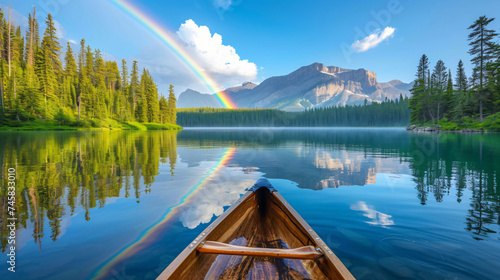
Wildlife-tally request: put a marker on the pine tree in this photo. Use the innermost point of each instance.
(461, 79)
(419, 91)
(482, 47)
(81, 77)
(32, 92)
(46, 77)
(9, 42)
(172, 105)
(18, 49)
(461, 96)
(70, 62)
(164, 110)
(32, 38)
(135, 89)
(439, 81)
(493, 81)
(448, 98)
(50, 43)
(150, 98)
(124, 74)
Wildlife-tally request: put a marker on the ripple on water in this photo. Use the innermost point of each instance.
(411, 256)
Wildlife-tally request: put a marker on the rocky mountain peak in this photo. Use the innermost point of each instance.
(313, 86)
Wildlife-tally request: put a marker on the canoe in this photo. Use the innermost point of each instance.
(259, 237)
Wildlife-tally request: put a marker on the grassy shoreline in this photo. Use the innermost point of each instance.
(490, 123)
(96, 125)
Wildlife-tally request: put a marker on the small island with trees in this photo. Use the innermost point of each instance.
(40, 92)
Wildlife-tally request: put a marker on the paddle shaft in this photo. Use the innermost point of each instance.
(212, 247)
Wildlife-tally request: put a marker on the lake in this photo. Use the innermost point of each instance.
(123, 204)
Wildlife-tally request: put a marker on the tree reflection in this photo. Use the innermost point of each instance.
(60, 171)
(461, 164)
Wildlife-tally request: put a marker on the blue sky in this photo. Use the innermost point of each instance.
(273, 37)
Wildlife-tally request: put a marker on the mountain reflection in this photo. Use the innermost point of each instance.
(441, 164)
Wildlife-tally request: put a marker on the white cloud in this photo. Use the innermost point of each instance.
(220, 61)
(377, 218)
(72, 41)
(223, 4)
(372, 40)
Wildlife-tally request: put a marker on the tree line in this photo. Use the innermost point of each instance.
(437, 98)
(387, 113)
(83, 87)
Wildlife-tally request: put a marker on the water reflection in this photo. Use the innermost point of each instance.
(448, 164)
(216, 191)
(442, 165)
(377, 217)
(57, 172)
(62, 174)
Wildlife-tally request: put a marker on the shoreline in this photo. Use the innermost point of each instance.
(121, 126)
(437, 129)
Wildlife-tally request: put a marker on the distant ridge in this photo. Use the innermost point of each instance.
(191, 98)
(311, 86)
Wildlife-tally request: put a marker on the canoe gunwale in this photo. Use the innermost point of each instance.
(318, 242)
(337, 267)
(198, 241)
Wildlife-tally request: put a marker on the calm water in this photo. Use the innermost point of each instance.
(122, 205)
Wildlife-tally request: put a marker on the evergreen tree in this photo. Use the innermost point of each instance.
(50, 43)
(448, 98)
(439, 81)
(164, 110)
(150, 106)
(419, 92)
(70, 62)
(124, 74)
(461, 79)
(81, 77)
(32, 38)
(135, 89)
(482, 47)
(46, 77)
(172, 101)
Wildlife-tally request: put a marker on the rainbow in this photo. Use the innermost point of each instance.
(147, 237)
(166, 37)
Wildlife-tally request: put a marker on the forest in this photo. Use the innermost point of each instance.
(38, 90)
(384, 114)
(462, 102)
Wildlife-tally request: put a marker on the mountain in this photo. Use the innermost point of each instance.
(246, 85)
(194, 99)
(191, 98)
(316, 86)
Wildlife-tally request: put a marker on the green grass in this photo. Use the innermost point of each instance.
(490, 123)
(105, 124)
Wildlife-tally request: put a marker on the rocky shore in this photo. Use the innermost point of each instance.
(437, 128)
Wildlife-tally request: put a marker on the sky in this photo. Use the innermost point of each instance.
(234, 41)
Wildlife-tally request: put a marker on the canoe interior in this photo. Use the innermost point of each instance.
(261, 219)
